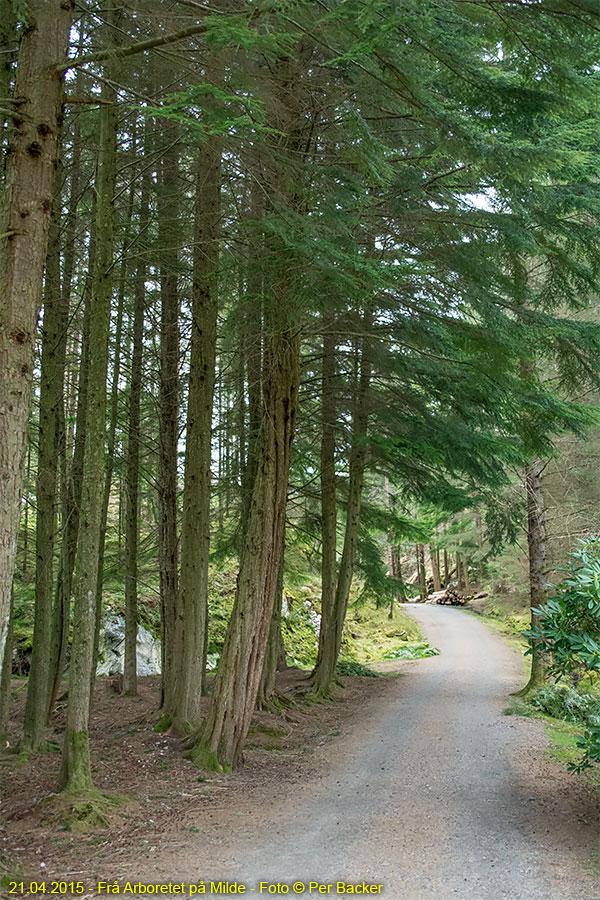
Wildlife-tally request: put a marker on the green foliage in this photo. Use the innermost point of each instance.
(24, 602)
(568, 630)
(349, 667)
(411, 651)
(568, 626)
(563, 702)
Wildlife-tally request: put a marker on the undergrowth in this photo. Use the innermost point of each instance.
(569, 716)
(419, 650)
(349, 667)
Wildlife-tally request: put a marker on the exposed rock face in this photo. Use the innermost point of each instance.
(112, 649)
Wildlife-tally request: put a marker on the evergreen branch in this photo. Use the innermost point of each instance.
(113, 53)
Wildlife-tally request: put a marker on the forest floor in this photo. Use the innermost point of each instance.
(417, 783)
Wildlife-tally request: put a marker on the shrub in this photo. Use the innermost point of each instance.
(563, 702)
(568, 632)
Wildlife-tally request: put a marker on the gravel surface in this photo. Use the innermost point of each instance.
(435, 795)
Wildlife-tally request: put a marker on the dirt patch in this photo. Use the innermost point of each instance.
(170, 802)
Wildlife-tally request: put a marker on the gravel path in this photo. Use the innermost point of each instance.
(436, 795)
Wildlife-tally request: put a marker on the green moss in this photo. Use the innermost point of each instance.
(270, 730)
(348, 667)
(83, 811)
(205, 759)
(78, 774)
(163, 724)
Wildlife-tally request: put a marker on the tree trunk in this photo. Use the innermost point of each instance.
(29, 191)
(112, 427)
(76, 776)
(221, 739)
(253, 347)
(70, 476)
(466, 583)
(133, 457)
(434, 555)
(266, 689)
(460, 573)
(71, 488)
(446, 569)
(5, 677)
(8, 43)
(390, 552)
(421, 571)
(324, 669)
(54, 348)
(168, 213)
(536, 543)
(195, 529)
(398, 573)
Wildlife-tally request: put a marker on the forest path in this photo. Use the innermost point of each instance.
(435, 795)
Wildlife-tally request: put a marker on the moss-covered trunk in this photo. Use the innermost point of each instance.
(76, 774)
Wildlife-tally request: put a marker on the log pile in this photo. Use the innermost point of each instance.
(450, 597)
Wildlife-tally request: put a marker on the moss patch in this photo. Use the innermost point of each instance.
(81, 812)
(205, 759)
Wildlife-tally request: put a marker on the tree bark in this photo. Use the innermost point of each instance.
(266, 689)
(8, 43)
(27, 202)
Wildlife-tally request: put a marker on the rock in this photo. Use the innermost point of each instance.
(111, 650)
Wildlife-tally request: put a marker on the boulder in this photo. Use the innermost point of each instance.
(111, 650)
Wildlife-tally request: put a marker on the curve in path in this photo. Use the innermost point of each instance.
(435, 798)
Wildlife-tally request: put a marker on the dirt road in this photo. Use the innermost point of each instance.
(436, 795)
